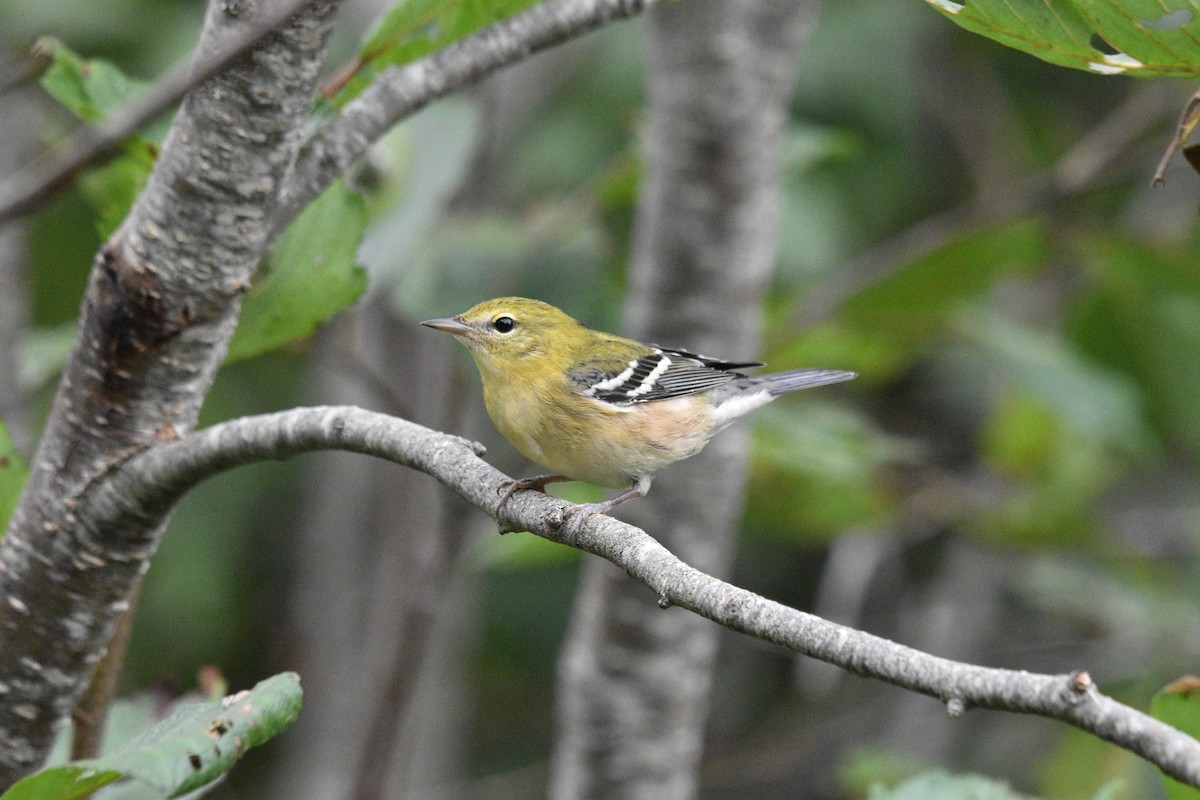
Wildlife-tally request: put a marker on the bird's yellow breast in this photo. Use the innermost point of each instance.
(593, 441)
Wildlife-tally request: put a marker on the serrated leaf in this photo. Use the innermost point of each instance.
(13, 473)
(1178, 705)
(1107, 37)
(309, 276)
(90, 88)
(414, 28)
(196, 745)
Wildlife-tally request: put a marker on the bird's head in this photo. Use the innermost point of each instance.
(508, 330)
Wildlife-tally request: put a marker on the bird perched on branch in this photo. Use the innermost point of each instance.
(595, 407)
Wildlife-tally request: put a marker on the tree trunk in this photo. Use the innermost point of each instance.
(161, 306)
(634, 679)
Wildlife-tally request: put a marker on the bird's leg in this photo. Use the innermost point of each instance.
(574, 517)
(537, 482)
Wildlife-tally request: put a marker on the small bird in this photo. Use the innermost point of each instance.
(591, 406)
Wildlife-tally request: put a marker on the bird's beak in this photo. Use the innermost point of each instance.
(447, 324)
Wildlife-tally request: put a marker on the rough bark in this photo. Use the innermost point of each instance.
(160, 308)
(634, 680)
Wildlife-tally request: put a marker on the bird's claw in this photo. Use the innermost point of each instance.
(575, 517)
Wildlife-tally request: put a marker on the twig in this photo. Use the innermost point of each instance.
(399, 92)
(24, 190)
(1187, 123)
(154, 479)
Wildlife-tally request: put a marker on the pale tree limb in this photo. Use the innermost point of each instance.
(160, 308)
(150, 482)
(633, 684)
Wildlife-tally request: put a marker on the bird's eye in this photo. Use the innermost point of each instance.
(504, 324)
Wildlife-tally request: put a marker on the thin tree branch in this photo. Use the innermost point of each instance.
(150, 482)
(23, 191)
(399, 92)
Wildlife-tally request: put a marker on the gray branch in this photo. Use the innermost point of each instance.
(149, 482)
(398, 92)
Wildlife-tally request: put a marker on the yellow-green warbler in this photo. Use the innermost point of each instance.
(595, 407)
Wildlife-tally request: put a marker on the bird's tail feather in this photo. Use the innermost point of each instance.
(793, 380)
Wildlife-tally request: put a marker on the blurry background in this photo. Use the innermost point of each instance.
(1011, 482)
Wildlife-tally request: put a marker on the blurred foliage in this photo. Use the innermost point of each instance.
(941, 786)
(1029, 359)
(1082, 767)
(870, 767)
(13, 472)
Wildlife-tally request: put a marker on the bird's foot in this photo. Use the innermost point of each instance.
(537, 483)
(575, 516)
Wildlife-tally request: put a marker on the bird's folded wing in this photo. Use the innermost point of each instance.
(659, 374)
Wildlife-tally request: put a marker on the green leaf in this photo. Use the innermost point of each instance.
(412, 29)
(942, 786)
(869, 766)
(196, 745)
(309, 276)
(1107, 37)
(1178, 705)
(90, 88)
(112, 188)
(13, 472)
(61, 783)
